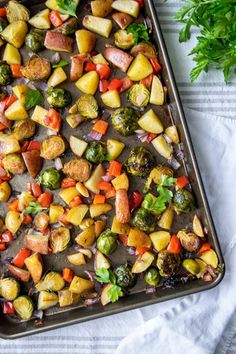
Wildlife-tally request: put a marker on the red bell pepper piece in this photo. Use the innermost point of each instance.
(33, 145)
(53, 119)
(155, 64)
(147, 81)
(2, 127)
(68, 275)
(8, 308)
(182, 182)
(123, 239)
(89, 66)
(204, 247)
(2, 246)
(27, 220)
(115, 84)
(126, 84)
(150, 137)
(45, 199)
(115, 168)
(104, 186)
(19, 260)
(111, 193)
(135, 200)
(141, 250)
(99, 199)
(76, 201)
(36, 189)
(103, 86)
(14, 205)
(3, 12)
(101, 126)
(140, 2)
(174, 245)
(103, 71)
(67, 183)
(55, 18)
(16, 71)
(6, 102)
(7, 236)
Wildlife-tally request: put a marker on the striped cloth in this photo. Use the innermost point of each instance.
(103, 336)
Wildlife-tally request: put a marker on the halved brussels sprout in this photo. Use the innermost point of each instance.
(14, 164)
(50, 178)
(96, 152)
(5, 74)
(52, 147)
(123, 39)
(58, 97)
(68, 27)
(52, 281)
(140, 162)
(152, 277)
(156, 175)
(24, 307)
(183, 201)
(138, 95)
(144, 220)
(107, 242)
(88, 106)
(191, 266)
(168, 263)
(59, 239)
(47, 299)
(34, 40)
(124, 277)
(124, 120)
(17, 12)
(24, 129)
(9, 288)
(189, 240)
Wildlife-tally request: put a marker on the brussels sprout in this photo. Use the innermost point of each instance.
(168, 263)
(87, 106)
(152, 277)
(140, 162)
(59, 239)
(9, 288)
(96, 152)
(52, 281)
(123, 39)
(5, 74)
(58, 97)
(24, 129)
(144, 220)
(35, 40)
(124, 277)
(50, 178)
(68, 27)
(183, 201)
(14, 163)
(47, 299)
(17, 12)
(41, 221)
(191, 266)
(124, 121)
(3, 24)
(138, 95)
(24, 307)
(189, 240)
(107, 242)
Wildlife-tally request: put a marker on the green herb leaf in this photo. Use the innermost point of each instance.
(139, 32)
(104, 275)
(167, 181)
(67, 7)
(114, 293)
(61, 64)
(33, 98)
(33, 208)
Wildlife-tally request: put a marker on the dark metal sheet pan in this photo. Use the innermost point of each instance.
(11, 328)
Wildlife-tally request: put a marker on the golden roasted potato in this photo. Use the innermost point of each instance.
(99, 209)
(85, 40)
(81, 286)
(138, 238)
(15, 33)
(87, 237)
(101, 8)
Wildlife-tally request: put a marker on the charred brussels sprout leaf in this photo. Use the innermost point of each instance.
(17, 12)
(58, 97)
(59, 239)
(96, 152)
(69, 27)
(140, 162)
(124, 120)
(144, 220)
(139, 95)
(152, 277)
(183, 201)
(35, 40)
(50, 178)
(124, 277)
(24, 307)
(107, 242)
(87, 106)
(9, 288)
(5, 74)
(168, 263)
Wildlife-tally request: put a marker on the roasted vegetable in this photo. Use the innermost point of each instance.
(37, 243)
(36, 68)
(46, 299)
(183, 201)
(111, 99)
(41, 20)
(95, 178)
(24, 307)
(122, 206)
(138, 95)
(152, 277)
(35, 40)
(123, 20)
(58, 97)
(124, 120)
(34, 264)
(140, 68)
(168, 263)
(144, 220)
(16, 12)
(50, 178)
(5, 192)
(123, 39)
(88, 83)
(81, 286)
(157, 96)
(143, 262)
(77, 66)
(189, 240)
(5, 74)
(67, 298)
(41, 221)
(130, 7)
(140, 162)
(79, 169)
(33, 162)
(8, 144)
(3, 24)
(118, 58)
(58, 42)
(15, 33)
(150, 122)
(16, 111)
(11, 55)
(160, 239)
(52, 281)
(52, 147)
(24, 129)
(114, 148)
(191, 266)
(21, 274)
(144, 48)
(68, 27)
(124, 277)
(77, 145)
(59, 239)
(76, 214)
(9, 288)
(107, 242)
(101, 8)
(14, 163)
(96, 152)
(87, 106)
(85, 40)
(102, 26)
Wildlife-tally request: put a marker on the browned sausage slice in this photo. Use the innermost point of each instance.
(122, 206)
(77, 66)
(78, 169)
(118, 58)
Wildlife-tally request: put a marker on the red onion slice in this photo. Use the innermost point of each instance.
(93, 135)
(58, 164)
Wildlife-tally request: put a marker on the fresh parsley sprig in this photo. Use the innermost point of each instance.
(139, 32)
(216, 44)
(67, 7)
(106, 276)
(32, 98)
(33, 208)
(61, 64)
